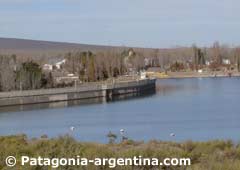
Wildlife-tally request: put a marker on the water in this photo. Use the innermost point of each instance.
(192, 109)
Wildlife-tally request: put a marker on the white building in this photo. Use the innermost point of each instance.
(47, 67)
(226, 61)
(208, 63)
(146, 61)
(143, 75)
(60, 63)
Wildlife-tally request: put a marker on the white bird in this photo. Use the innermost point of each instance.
(72, 128)
(172, 134)
(121, 131)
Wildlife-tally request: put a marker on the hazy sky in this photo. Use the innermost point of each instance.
(147, 23)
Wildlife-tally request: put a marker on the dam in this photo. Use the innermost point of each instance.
(105, 91)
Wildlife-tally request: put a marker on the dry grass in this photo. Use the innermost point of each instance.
(211, 155)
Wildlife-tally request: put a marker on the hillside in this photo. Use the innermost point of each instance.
(34, 48)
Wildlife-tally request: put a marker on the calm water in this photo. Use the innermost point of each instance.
(196, 109)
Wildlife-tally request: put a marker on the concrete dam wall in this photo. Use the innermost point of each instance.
(106, 91)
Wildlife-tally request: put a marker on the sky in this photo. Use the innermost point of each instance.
(138, 23)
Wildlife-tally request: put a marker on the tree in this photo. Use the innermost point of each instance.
(237, 58)
(217, 53)
(201, 57)
(238, 64)
(177, 66)
(91, 68)
(238, 61)
(115, 72)
(198, 57)
(155, 58)
(105, 74)
(195, 57)
(29, 76)
(47, 80)
(7, 72)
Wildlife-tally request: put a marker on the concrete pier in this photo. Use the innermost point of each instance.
(106, 91)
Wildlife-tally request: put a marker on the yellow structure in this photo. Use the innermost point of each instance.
(156, 75)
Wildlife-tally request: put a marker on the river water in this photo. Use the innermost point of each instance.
(193, 109)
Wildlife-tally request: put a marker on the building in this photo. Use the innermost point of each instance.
(47, 67)
(53, 64)
(60, 63)
(66, 78)
(143, 75)
(226, 61)
(208, 63)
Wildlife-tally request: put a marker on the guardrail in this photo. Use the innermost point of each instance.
(79, 88)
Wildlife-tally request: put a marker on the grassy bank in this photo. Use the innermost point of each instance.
(212, 155)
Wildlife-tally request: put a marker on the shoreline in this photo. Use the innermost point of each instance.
(182, 75)
(106, 92)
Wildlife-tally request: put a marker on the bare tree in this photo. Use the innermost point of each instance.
(7, 72)
(217, 53)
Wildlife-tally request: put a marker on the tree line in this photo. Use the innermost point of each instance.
(101, 66)
(19, 74)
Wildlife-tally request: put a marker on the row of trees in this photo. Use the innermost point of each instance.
(199, 57)
(237, 58)
(17, 74)
(7, 72)
(22, 76)
(100, 66)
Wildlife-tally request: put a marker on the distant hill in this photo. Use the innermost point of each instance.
(37, 49)
(34, 48)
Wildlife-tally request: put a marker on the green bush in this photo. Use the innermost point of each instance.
(211, 155)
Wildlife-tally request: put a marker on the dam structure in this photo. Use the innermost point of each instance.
(106, 91)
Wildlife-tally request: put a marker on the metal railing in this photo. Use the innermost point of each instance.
(94, 86)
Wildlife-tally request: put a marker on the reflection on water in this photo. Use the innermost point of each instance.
(165, 88)
(51, 105)
(72, 103)
(132, 96)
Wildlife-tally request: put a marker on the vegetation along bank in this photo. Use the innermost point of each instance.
(211, 155)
